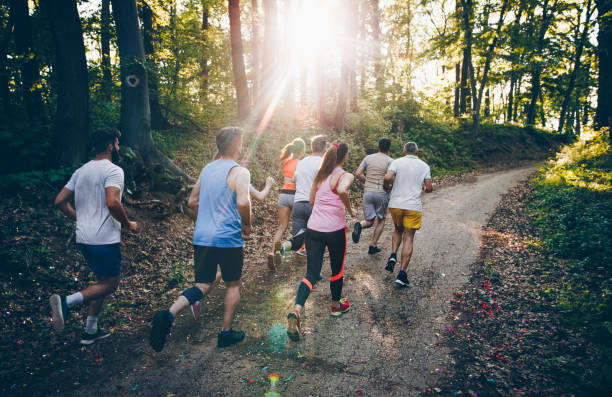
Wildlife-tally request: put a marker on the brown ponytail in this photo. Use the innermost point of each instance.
(332, 157)
(293, 150)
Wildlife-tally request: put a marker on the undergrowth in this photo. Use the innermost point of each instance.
(572, 208)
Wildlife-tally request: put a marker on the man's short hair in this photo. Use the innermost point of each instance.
(103, 137)
(318, 144)
(411, 147)
(225, 136)
(384, 144)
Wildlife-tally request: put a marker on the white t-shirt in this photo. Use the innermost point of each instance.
(410, 173)
(95, 225)
(304, 176)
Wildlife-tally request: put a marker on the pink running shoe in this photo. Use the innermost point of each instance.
(344, 306)
(195, 310)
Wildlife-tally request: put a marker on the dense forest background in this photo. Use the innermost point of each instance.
(159, 69)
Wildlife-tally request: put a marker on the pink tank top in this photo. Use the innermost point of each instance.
(328, 210)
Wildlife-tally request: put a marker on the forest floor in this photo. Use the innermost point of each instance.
(422, 339)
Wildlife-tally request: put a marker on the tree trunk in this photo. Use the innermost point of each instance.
(135, 112)
(464, 91)
(511, 96)
(105, 34)
(158, 120)
(353, 21)
(256, 41)
(536, 70)
(457, 89)
(376, 36)
(468, 21)
(488, 59)
(31, 86)
(342, 96)
(577, 61)
(5, 91)
(240, 81)
(487, 108)
(204, 56)
(517, 96)
(603, 114)
(288, 67)
(72, 118)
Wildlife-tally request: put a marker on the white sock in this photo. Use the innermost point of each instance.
(74, 299)
(92, 324)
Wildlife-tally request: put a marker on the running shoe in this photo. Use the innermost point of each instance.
(225, 339)
(59, 311)
(88, 339)
(373, 250)
(271, 265)
(301, 251)
(161, 328)
(391, 263)
(293, 325)
(356, 232)
(402, 279)
(279, 252)
(195, 309)
(344, 306)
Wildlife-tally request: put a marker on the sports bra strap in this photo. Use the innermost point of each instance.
(335, 189)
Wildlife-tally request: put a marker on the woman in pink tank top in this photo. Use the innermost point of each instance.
(329, 197)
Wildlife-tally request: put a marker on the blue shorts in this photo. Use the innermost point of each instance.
(104, 260)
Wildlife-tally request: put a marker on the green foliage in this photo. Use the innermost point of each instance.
(177, 276)
(572, 204)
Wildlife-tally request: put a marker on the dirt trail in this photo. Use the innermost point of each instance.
(385, 345)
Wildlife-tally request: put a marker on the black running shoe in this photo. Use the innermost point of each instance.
(160, 329)
(402, 279)
(391, 263)
(88, 339)
(356, 232)
(59, 311)
(229, 339)
(373, 250)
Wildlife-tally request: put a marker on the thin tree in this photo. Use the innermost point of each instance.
(105, 36)
(376, 36)
(255, 49)
(240, 81)
(603, 114)
(581, 41)
(31, 86)
(204, 57)
(72, 117)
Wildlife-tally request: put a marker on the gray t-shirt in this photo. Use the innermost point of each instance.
(305, 172)
(95, 225)
(410, 173)
(375, 167)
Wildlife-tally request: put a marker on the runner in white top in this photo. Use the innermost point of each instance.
(409, 175)
(96, 188)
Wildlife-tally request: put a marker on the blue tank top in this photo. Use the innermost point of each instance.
(218, 223)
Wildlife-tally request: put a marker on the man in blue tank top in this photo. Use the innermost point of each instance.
(221, 199)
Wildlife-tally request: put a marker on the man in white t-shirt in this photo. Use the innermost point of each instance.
(96, 188)
(409, 176)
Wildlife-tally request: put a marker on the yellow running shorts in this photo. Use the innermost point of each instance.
(406, 218)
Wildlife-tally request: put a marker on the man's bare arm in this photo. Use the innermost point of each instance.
(194, 198)
(62, 201)
(388, 180)
(113, 202)
(359, 173)
(428, 186)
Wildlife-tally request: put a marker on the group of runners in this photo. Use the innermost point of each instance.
(314, 194)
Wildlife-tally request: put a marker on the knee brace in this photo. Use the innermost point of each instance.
(193, 294)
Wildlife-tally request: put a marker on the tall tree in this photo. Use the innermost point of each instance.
(581, 41)
(205, 49)
(5, 91)
(270, 59)
(31, 85)
(240, 81)
(135, 112)
(105, 35)
(536, 61)
(351, 44)
(376, 36)
(467, 11)
(255, 49)
(72, 117)
(603, 114)
(149, 33)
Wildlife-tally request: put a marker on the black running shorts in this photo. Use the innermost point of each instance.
(206, 260)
